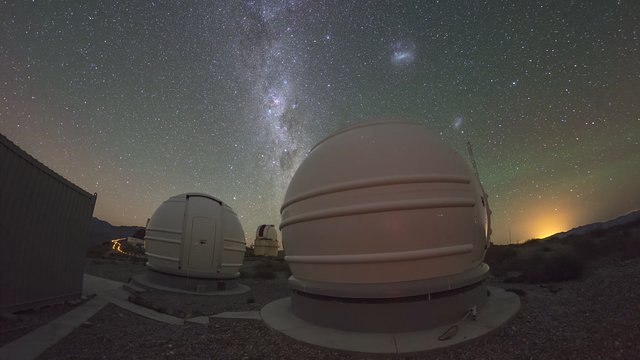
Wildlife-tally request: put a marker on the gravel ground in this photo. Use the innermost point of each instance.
(597, 317)
(16, 325)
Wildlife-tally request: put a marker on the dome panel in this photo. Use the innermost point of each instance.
(407, 152)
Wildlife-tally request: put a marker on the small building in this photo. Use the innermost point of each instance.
(43, 226)
(266, 242)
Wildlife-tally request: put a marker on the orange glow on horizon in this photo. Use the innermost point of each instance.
(548, 231)
(547, 224)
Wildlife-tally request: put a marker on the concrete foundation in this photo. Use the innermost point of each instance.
(189, 285)
(498, 308)
(390, 307)
(389, 315)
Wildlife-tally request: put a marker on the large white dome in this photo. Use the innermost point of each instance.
(195, 235)
(384, 203)
(385, 228)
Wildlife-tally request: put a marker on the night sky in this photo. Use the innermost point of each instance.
(139, 102)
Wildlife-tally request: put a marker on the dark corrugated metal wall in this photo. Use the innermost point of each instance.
(43, 226)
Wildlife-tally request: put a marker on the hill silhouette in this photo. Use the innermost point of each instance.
(101, 231)
(621, 221)
(565, 256)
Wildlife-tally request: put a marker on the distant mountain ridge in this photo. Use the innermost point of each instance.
(101, 231)
(632, 217)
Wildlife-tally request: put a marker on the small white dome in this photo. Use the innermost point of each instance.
(267, 232)
(381, 203)
(195, 235)
(266, 242)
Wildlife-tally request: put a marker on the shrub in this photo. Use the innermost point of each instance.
(629, 246)
(589, 247)
(542, 262)
(553, 266)
(563, 258)
(498, 258)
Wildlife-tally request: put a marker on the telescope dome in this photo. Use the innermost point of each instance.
(385, 228)
(383, 202)
(266, 242)
(385, 211)
(195, 235)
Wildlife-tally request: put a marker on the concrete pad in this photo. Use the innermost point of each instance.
(31, 345)
(36, 342)
(117, 294)
(278, 316)
(114, 292)
(499, 308)
(92, 285)
(143, 280)
(204, 320)
(252, 315)
(133, 288)
(148, 313)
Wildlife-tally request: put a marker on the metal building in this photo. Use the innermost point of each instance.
(43, 226)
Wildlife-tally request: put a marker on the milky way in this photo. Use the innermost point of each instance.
(142, 101)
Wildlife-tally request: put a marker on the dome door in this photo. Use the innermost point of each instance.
(203, 231)
(202, 215)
